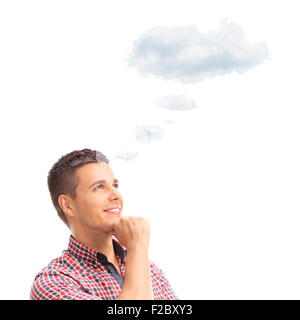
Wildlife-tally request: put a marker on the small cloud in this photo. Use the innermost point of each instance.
(147, 134)
(185, 54)
(126, 155)
(176, 102)
(169, 121)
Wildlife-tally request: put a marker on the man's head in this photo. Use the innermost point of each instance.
(82, 186)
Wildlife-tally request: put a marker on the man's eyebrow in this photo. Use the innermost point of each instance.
(102, 181)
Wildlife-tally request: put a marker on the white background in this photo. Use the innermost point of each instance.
(220, 189)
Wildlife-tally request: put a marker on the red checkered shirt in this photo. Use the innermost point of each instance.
(82, 273)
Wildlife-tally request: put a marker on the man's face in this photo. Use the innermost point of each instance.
(97, 191)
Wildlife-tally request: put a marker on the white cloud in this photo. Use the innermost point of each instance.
(147, 134)
(176, 102)
(126, 155)
(169, 121)
(186, 54)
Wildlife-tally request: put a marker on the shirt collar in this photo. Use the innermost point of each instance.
(82, 252)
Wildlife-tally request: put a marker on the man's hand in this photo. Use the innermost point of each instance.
(133, 232)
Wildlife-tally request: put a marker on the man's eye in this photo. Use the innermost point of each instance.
(116, 185)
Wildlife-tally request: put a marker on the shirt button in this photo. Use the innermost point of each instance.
(109, 270)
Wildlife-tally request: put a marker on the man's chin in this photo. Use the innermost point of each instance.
(111, 229)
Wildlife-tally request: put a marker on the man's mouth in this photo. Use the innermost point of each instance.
(115, 210)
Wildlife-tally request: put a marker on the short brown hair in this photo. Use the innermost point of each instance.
(63, 179)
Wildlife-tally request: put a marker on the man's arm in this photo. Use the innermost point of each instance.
(134, 234)
(53, 285)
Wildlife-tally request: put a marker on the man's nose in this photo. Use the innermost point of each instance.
(115, 193)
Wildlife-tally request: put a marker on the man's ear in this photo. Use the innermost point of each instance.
(66, 205)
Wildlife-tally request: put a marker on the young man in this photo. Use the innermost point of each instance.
(107, 255)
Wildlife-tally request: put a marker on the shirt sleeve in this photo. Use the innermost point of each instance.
(58, 286)
(167, 291)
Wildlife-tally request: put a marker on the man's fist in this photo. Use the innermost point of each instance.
(132, 232)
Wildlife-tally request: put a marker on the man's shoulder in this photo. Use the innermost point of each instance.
(156, 270)
(160, 279)
(61, 271)
(58, 265)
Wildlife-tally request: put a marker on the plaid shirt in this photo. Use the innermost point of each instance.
(82, 273)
